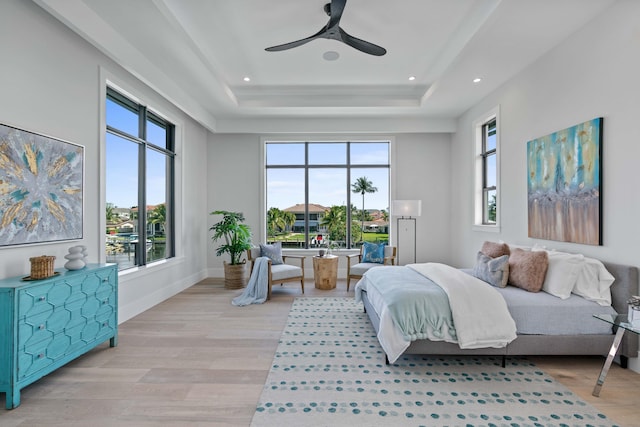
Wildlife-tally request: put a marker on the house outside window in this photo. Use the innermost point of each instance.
(140, 153)
(309, 186)
(487, 171)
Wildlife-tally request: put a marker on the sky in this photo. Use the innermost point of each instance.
(327, 185)
(327, 173)
(122, 161)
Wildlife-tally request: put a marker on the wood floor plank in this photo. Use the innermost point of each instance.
(196, 360)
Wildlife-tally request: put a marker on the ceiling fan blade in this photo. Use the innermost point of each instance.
(333, 31)
(296, 43)
(336, 9)
(362, 45)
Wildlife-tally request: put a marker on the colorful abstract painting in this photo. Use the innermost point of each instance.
(564, 184)
(41, 188)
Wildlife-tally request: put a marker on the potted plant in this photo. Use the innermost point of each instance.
(236, 239)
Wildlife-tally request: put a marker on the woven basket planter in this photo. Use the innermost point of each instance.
(235, 276)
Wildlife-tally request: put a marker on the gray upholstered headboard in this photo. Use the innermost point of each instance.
(625, 286)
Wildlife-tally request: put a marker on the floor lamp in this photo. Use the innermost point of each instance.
(407, 210)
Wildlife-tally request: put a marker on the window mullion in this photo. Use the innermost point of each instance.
(306, 195)
(347, 209)
(170, 203)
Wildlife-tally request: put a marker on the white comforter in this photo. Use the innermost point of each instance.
(479, 312)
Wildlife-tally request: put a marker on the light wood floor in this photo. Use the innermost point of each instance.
(197, 360)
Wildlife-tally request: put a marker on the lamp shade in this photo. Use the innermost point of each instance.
(409, 208)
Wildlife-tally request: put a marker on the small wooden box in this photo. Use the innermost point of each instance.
(41, 266)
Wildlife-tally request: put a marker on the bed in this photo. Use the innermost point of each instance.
(584, 335)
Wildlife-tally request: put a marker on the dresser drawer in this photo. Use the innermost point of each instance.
(37, 299)
(98, 303)
(98, 281)
(42, 354)
(96, 330)
(43, 325)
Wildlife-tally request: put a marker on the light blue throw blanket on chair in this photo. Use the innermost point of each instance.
(256, 290)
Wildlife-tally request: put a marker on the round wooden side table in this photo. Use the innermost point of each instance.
(325, 271)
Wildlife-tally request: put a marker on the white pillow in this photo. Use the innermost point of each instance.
(562, 273)
(514, 246)
(594, 282)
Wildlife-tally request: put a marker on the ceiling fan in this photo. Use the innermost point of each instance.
(333, 31)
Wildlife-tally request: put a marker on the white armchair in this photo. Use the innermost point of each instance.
(280, 273)
(356, 271)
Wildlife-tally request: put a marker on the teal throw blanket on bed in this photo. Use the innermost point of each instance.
(416, 304)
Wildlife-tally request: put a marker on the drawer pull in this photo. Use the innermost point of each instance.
(42, 298)
(105, 279)
(105, 324)
(41, 327)
(106, 301)
(41, 356)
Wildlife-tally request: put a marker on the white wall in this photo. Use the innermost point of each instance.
(420, 164)
(51, 84)
(592, 74)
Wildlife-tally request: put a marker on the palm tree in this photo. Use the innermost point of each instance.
(110, 214)
(334, 220)
(362, 186)
(158, 215)
(278, 220)
(275, 221)
(289, 218)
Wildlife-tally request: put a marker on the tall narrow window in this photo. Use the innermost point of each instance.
(327, 194)
(140, 183)
(487, 171)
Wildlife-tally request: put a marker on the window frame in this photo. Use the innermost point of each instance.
(169, 150)
(308, 166)
(481, 157)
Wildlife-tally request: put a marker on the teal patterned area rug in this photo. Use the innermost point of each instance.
(329, 370)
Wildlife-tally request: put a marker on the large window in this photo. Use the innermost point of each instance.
(140, 183)
(321, 194)
(487, 171)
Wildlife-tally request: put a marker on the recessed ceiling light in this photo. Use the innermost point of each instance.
(247, 79)
(330, 55)
(412, 78)
(477, 80)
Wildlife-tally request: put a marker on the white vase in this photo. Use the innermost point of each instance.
(75, 258)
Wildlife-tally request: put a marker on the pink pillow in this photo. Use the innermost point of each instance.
(494, 250)
(527, 269)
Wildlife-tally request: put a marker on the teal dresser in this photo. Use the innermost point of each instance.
(46, 323)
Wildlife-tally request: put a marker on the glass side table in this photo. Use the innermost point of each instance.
(621, 322)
